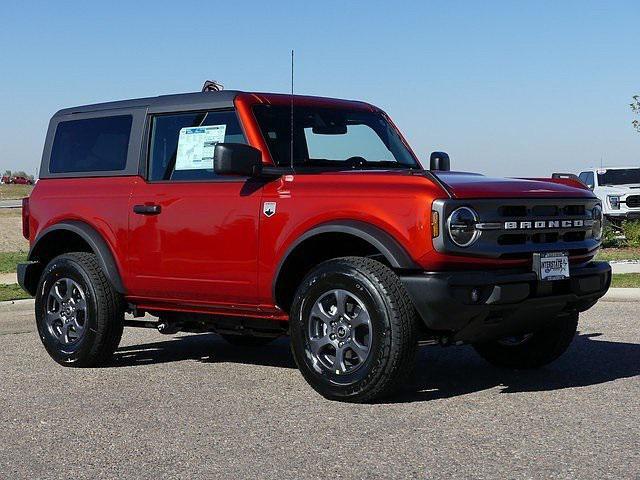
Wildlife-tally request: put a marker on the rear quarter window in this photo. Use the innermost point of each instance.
(91, 145)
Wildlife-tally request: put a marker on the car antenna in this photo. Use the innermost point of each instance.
(291, 153)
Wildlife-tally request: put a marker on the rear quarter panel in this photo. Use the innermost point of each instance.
(102, 203)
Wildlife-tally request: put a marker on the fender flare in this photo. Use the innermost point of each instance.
(95, 241)
(388, 246)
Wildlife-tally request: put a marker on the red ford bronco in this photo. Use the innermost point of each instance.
(258, 215)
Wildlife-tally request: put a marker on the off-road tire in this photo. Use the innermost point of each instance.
(105, 311)
(541, 348)
(394, 329)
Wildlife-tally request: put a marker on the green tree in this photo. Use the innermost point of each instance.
(635, 108)
(7, 173)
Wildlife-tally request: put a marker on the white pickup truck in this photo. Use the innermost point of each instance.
(619, 190)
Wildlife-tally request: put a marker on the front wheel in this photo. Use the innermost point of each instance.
(531, 350)
(353, 330)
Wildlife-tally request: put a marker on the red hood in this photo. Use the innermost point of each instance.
(471, 185)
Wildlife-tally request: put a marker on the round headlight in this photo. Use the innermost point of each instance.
(596, 213)
(462, 226)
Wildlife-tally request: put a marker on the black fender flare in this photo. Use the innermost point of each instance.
(95, 241)
(388, 246)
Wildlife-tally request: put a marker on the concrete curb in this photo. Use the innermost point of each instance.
(12, 306)
(622, 295)
(625, 266)
(8, 278)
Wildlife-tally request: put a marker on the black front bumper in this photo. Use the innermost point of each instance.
(471, 306)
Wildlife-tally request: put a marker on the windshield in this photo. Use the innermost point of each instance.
(619, 176)
(332, 138)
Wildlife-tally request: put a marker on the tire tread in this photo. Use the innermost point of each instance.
(110, 312)
(395, 364)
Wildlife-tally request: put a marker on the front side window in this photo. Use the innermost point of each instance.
(182, 145)
(332, 138)
(619, 176)
(91, 145)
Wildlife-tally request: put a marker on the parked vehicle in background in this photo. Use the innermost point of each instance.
(618, 188)
(16, 180)
(214, 212)
(21, 181)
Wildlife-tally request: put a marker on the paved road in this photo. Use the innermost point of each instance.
(190, 406)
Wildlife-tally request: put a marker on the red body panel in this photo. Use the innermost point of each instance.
(211, 248)
(202, 248)
(397, 203)
(103, 203)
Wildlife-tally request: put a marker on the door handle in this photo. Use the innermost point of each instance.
(147, 209)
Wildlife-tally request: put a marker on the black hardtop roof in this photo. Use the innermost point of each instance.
(220, 99)
(197, 100)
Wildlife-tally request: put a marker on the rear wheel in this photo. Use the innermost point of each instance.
(353, 330)
(80, 317)
(531, 350)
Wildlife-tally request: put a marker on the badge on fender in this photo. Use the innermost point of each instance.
(269, 209)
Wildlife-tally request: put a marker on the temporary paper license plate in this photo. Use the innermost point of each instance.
(552, 265)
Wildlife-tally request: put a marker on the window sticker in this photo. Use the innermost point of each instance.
(196, 146)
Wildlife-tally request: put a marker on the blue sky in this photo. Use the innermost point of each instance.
(507, 88)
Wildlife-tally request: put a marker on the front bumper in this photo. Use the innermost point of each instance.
(504, 302)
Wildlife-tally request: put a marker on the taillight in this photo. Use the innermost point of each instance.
(25, 217)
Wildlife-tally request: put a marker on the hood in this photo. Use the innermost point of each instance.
(471, 185)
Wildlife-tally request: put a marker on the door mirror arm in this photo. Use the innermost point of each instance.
(275, 172)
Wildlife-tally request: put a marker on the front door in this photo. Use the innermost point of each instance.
(193, 235)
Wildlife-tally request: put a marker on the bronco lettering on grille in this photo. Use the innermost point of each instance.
(537, 224)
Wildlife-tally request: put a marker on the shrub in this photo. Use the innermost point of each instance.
(610, 238)
(631, 229)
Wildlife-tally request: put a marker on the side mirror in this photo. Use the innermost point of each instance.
(439, 161)
(237, 159)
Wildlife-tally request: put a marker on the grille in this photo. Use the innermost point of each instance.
(633, 201)
(525, 211)
(513, 229)
(521, 239)
(533, 213)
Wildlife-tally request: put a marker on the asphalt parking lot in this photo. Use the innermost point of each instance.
(191, 406)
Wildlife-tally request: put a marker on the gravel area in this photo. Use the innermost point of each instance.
(11, 239)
